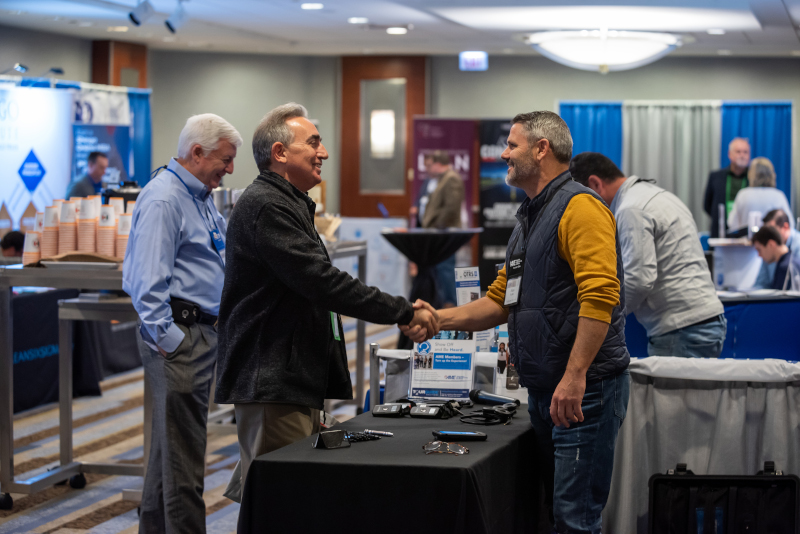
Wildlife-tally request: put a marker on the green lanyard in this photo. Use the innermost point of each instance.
(728, 200)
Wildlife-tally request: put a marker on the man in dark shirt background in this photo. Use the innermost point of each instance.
(772, 249)
(723, 184)
(12, 244)
(91, 183)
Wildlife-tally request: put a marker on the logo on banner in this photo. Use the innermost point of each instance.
(31, 172)
(424, 348)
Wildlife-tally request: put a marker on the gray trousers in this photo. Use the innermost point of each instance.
(263, 428)
(172, 499)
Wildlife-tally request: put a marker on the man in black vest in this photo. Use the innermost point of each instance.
(561, 292)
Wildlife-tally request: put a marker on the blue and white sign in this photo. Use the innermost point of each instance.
(473, 60)
(442, 367)
(35, 146)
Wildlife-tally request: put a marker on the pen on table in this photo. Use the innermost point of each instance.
(378, 433)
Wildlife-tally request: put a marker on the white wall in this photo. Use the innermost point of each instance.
(516, 84)
(242, 88)
(40, 51)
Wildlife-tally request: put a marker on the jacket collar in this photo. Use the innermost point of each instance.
(528, 203)
(286, 187)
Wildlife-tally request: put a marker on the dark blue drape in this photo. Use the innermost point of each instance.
(595, 127)
(141, 135)
(768, 126)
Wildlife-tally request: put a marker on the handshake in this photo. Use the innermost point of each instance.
(425, 323)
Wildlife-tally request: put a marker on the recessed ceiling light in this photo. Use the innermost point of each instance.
(397, 30)
(716, 31)
(724, 52)
(117, 29)
(311, 6)
(358, 20)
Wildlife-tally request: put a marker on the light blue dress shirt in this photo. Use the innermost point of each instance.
(170, 253)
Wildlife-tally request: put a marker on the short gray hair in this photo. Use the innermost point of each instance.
(273, 129)
(735, 139)
(539, 125)
(206, 130)
(761, 173)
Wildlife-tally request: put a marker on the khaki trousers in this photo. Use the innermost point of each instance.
(263, 428)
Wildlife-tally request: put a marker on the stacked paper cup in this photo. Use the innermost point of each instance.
(39, 225)
(77, 201)
(123, 231)
(31, 253)
(68, 228)
(57, 203)
(129, 207)
(119, 206)
(49, 241)
(87, 227)
(107, 231)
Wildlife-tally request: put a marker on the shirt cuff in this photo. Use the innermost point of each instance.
(172, 339)
(596, 309)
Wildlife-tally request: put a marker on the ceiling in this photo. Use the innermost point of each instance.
(752, 28)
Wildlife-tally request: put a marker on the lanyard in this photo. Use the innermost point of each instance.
(216, 235)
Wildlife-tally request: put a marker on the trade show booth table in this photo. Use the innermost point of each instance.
(392, 486)
(760, 325)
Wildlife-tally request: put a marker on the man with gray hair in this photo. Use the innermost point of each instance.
(561, 292)
(724, 184)
(282, 348)
(174, 270)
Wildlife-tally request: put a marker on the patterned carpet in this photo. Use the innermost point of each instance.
(109, 428)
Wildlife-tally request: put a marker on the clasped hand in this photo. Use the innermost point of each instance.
(425, 323)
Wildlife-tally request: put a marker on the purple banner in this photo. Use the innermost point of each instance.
(457, 138)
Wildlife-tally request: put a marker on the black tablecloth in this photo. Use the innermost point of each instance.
(99, 350)
(391, 485)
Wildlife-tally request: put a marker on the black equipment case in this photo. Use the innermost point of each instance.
(684, 503)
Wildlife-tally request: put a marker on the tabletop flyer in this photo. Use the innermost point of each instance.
(442, 367)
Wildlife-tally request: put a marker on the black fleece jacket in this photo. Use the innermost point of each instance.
(276, 341)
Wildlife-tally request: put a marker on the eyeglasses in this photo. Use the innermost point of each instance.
(444, 448)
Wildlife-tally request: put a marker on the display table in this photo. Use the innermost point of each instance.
(722, 417)
(391, 485)
(760, 325)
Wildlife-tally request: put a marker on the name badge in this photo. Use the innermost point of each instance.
(514, 279)
(335, 325)
(219, 244)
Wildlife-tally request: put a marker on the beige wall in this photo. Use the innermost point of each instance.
(242, 88)
(40, 51)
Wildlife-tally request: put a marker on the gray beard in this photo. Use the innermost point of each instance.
(520, 174)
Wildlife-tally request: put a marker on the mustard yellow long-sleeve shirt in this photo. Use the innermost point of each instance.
(587, 242)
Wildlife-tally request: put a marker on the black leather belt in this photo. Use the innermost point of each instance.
(707, 321)
(188, 313)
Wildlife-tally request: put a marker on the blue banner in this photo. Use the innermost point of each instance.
(595, 127)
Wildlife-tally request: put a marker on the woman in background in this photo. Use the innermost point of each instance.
(762, 196)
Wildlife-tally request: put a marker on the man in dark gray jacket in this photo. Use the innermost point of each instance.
(281, 342)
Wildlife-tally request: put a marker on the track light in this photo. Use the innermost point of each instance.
(143, 11)
(19, 67)
(58, 71)
(177, 19)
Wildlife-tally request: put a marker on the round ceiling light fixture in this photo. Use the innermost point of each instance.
(603, 50)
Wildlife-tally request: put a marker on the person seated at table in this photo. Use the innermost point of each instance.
(12, 244)
(770, 246)
(762, 196)
(779, 220)
(667, 283)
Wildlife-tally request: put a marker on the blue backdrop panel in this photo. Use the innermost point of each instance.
(141, 134)
(595, 127)
(768, 126)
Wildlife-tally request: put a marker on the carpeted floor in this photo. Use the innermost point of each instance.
(109, 428)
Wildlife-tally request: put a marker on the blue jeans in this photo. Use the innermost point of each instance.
(578, 461)
(695, 341)
(446, 280)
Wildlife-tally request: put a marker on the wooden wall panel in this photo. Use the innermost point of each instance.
(110, 57)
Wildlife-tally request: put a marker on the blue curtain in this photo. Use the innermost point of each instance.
(141, 134)
(768, 126)
(595, 127)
